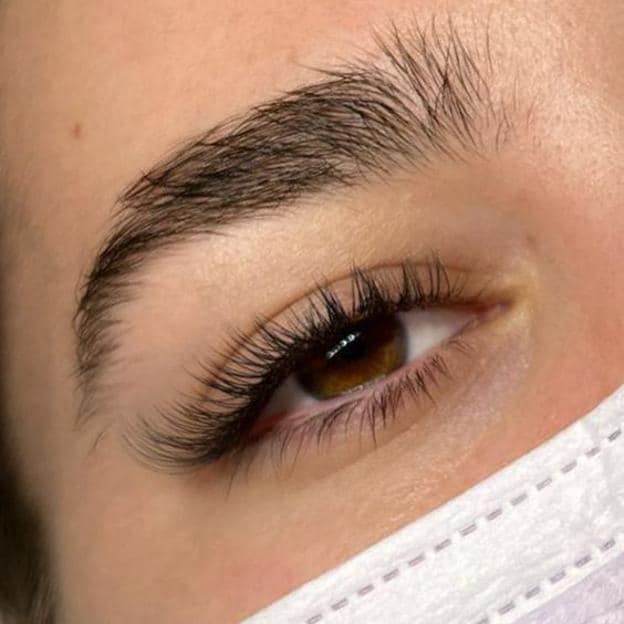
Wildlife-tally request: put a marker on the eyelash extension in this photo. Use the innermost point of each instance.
(213, 423)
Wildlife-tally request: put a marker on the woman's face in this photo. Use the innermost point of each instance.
(320, 324)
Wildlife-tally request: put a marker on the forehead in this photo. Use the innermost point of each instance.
(118, 84)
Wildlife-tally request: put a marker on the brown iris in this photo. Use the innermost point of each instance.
(366, 351)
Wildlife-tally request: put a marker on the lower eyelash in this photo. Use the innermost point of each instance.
(375, 408)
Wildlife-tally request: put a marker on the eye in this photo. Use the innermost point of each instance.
(346, 357)
(361, 356)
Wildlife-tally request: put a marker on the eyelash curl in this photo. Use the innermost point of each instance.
(215, 421)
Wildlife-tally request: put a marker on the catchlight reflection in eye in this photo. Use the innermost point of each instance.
(365, 353)
(370, 349)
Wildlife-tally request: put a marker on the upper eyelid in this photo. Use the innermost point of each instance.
(468, 283)
(434, 274)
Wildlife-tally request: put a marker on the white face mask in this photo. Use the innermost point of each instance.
(542, 541)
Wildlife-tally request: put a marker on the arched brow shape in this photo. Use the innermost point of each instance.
(424, 96)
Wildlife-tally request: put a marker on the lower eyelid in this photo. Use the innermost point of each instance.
(463, 381)
(297, 430)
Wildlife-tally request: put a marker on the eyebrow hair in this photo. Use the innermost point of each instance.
(424, 96)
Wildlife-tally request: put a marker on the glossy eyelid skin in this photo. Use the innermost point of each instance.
(229, 398)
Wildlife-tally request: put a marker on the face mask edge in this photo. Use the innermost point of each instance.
(584, 440)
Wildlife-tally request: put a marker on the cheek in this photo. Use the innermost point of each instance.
(131, 546)
(582, 295)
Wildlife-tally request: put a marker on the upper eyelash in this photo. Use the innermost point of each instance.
(203, 428)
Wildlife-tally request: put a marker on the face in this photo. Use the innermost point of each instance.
(319, 321)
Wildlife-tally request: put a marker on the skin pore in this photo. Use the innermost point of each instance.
(529, 214)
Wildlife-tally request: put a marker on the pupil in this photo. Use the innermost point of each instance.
(367, 351)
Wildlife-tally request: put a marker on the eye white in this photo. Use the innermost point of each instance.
(424, 330)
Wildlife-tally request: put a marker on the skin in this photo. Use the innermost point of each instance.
(93, 94)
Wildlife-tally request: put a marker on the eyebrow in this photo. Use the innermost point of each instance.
(426, 95)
